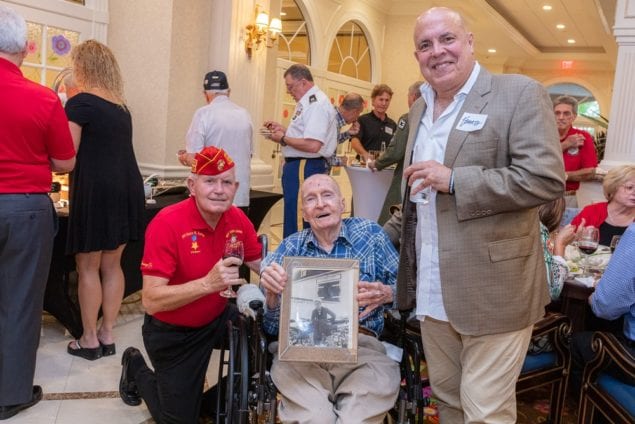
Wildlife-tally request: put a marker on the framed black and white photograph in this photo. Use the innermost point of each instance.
(319, 314)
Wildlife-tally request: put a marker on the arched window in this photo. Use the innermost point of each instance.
(588, 106)
(293, 41)
(350, 54)
(590, 116)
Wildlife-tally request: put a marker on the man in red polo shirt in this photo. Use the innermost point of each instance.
(34, 140)
(183, 274)
(578, 149)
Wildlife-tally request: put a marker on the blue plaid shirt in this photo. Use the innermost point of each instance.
(341, 136)
(614, 294)
(359, 239)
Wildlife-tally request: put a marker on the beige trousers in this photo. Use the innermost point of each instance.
(322, 393)
(474, 377)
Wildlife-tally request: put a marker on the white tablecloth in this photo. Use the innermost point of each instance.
(369, 190)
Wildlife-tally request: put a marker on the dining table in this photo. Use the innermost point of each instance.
(574, 299)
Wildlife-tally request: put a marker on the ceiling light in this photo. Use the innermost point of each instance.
(571, 41)
(560, 26)
(547, 7)
(491, 50)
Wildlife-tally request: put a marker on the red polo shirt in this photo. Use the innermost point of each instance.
(585, 158)
(181, 246)
(33, 129)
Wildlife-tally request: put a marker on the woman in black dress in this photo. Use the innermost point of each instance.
(106, 198)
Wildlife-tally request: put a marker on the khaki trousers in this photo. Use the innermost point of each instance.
(474, 377)
(322, 393)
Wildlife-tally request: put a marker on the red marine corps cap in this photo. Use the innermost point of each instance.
(211, 161)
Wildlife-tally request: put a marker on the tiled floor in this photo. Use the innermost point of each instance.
(77, 390)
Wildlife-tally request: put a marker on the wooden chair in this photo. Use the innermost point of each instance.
(602, 392)
(552, 367)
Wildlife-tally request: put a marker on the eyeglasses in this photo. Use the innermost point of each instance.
(630, 188)
(293, 84)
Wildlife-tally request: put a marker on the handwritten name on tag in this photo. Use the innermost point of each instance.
(471, 122)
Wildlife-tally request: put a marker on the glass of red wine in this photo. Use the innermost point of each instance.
(233, 249)
(588, 240)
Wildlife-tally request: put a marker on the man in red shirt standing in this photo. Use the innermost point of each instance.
(578, 149)
(34, 140)
(183, 274)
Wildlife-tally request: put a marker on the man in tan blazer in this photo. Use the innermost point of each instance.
(486, 148)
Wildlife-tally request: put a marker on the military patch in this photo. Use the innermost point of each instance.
(312, 98)
(401, 124)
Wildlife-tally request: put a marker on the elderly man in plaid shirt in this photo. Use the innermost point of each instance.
(327, 393)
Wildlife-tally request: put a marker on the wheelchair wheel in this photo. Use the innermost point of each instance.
(233, 377)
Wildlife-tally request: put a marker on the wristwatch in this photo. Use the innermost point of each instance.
(282, 142)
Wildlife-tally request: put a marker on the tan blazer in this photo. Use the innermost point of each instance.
(493, 274)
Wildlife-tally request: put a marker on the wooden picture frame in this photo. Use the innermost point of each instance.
(319, 311)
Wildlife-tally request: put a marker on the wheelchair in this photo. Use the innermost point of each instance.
(246, 393)
(405, 334)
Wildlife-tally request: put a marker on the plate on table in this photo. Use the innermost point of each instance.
(598, 260)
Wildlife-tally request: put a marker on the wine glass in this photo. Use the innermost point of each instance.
(614, 241)
(588, 239)
(233, 248)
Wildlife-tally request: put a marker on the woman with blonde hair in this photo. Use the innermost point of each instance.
(612, 217)
(106, 198)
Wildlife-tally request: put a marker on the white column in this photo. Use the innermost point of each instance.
(620, 143)
(246, 75)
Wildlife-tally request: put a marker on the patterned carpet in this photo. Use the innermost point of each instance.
(533, 407)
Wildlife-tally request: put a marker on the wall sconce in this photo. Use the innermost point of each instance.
(261, 31)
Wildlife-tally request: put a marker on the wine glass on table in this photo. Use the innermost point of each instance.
(588, 240)
(614, 241)
(233, 249)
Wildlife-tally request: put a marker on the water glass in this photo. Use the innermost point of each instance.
(423, 196)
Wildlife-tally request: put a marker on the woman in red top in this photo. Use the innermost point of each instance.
(612, 217)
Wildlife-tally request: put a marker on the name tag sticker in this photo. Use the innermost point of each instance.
(388, 130)
(471, 122)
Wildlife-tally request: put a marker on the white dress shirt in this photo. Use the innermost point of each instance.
(224, 124)
(314, 117)
(430, 143)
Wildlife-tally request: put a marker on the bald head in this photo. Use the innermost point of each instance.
(444, 49)
(320, 180)
(445, 13)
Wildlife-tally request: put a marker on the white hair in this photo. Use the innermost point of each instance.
(13, 34)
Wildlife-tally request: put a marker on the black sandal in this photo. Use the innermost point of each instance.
(84, 352)
(107, 349)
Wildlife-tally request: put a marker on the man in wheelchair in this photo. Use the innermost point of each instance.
(329, 393)
(183, 274)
